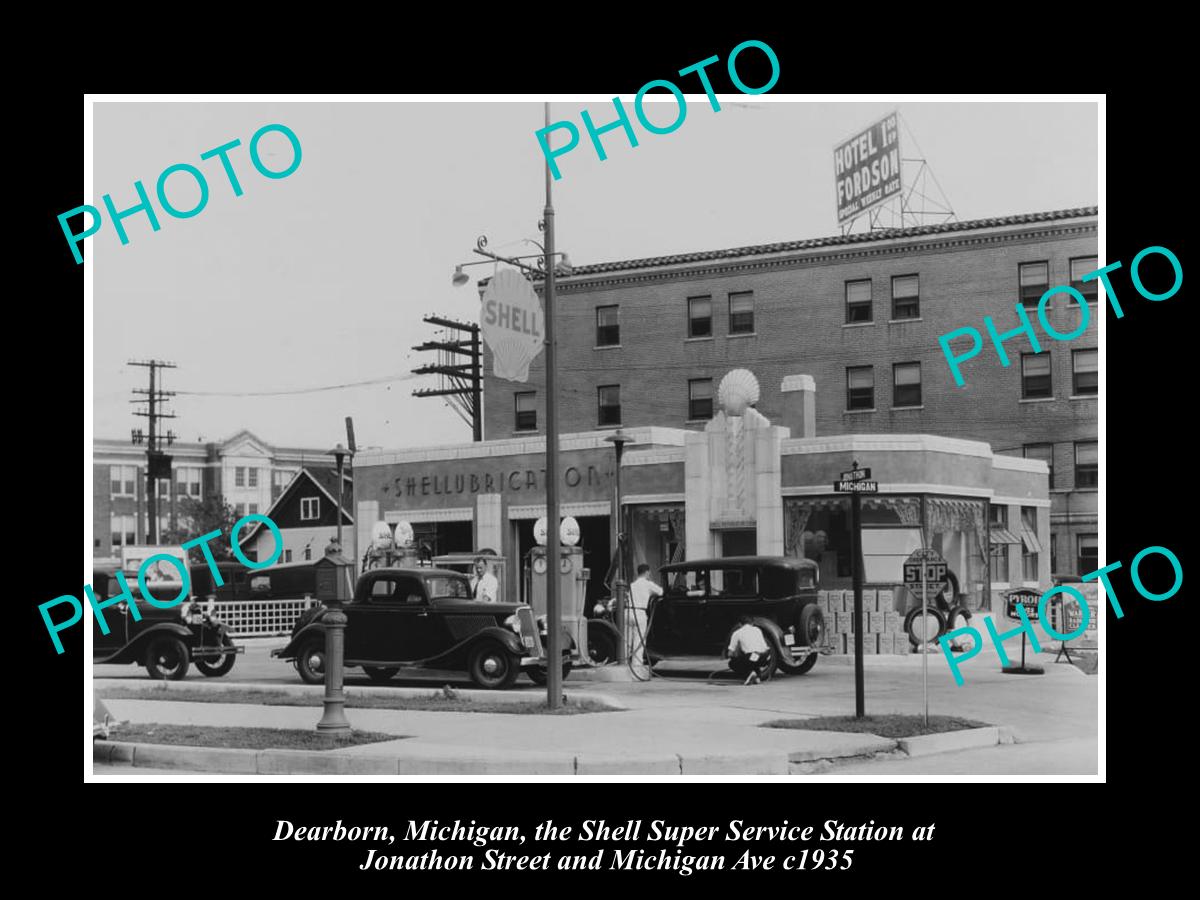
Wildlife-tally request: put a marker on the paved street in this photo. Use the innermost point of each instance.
(1053, 716)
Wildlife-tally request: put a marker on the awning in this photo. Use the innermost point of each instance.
(1032, 545)
(999, 535)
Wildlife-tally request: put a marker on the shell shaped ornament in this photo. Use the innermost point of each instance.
(381, 536)
(404, 534)
(512, 324)
(738, 391)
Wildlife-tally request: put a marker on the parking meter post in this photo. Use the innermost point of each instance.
(856, 554)
(334, 722)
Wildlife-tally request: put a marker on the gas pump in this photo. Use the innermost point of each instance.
(573, 578)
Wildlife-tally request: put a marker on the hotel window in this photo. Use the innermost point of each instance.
(124, 480)
(253, 508)
(1000, 539)
(308, 553)
(609, 402)
(860, 387)
(699, 317)
(164, 488)
(1035, 375)
(124, 530)
(1044, 452)
(526, 404)
(239, 476)
(1030, 545)
(1080, 267)
(279, 480)
(741, 313)
(1087, 464)
(287, 556)
(608, 326)
(239, 510)
(906, 384)
(700, 404)
(1088, 553)
(1034, 278)
(310, 508)
(906, 297)
(253, 477)
(858, 302)
(1085, 372)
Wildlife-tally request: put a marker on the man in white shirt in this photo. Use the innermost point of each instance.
(748, 651)
(641, 592)
(485, 588)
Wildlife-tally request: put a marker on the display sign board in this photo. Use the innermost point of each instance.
(867, 168)
(512, 324)
(856, 487)
(1022, 597)
(925, 570)
(856, 475)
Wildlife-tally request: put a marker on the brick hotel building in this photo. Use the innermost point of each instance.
(645, 342)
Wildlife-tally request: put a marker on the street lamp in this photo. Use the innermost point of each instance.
(620, 586)
(333, 721)
(549, 264)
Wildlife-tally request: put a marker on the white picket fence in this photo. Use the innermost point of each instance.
(261, 618)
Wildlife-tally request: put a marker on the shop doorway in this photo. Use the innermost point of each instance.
(739, 542)
(444, 537)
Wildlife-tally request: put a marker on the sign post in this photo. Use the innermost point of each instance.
(1030, 600)
(854, 483)
(928, 569)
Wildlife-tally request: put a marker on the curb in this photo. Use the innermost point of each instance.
(927, 744)
(325, 762)
(532, 698)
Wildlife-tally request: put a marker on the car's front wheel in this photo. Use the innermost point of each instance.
(215, 668)
(602, 643)
(381, 673)
(493, 667)
(167, 657)
(310, 662)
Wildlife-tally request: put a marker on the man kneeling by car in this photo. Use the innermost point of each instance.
(748, 651)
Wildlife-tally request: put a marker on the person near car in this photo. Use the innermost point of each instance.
(747, 650)
(641, 592)
(484, 586)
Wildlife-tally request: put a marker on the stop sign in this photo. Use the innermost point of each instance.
(928, 567)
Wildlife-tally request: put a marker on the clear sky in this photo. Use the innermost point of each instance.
(321, 278)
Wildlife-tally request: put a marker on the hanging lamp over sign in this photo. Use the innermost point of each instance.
(512, 324)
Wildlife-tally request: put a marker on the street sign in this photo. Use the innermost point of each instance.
(925, 570)
(856, 475)
(856, 487)
(1022, 597)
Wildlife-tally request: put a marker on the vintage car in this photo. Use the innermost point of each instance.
(703, 600)
(426, 617)
(164, 641)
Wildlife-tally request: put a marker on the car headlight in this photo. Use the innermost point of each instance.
(512, 623)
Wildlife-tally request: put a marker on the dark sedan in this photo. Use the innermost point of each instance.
(703, 600)
(426, 617)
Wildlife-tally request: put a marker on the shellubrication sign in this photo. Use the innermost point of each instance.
(867, 168)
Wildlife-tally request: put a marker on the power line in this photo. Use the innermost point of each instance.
(311, 390)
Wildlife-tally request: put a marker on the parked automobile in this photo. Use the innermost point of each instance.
(703, 600)
(426, 617)
(279, 582)
(165, 641)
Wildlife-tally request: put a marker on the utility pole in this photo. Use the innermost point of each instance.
(461, 382)
(158, 464)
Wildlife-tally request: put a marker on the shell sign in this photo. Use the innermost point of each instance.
(512, 324)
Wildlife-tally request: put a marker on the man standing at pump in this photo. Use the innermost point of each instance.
(485, 588)
(641, 592)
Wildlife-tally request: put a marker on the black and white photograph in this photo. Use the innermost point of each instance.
(822, 380)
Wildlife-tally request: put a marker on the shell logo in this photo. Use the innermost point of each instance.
(512, 324)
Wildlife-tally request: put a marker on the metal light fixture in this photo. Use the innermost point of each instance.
(460, 277)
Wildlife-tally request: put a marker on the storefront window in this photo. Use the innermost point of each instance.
(1030, 545)
(1000, 539)
(656, 536)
